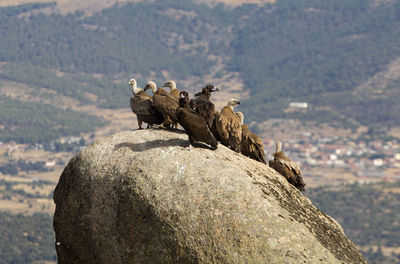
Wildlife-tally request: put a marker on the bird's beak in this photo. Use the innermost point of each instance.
(182, 96)
(237, 102)
(215, 89)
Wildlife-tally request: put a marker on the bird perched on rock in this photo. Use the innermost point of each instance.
(202, 104)
(193, 123)
(165, 102)
(288, 168)
(251, 144)
(228, 126)
(204, 94)
(142, 105)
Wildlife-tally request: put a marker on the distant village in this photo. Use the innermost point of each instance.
(364, 159)
(360, 158)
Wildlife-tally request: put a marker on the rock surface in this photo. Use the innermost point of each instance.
(141, 197)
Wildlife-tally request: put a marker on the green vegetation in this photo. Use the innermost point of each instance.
(27, 122)
(26, 239)
(108, 93)
(131, 39)
(301, 50)
(292, 50)
(309, 50)
(23, 165)
(368, 213)
(9, 192)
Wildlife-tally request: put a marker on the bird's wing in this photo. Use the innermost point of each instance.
(229, 124)
(195, 125)
(291, 165)
(166, 104)
(206, 109)
(141, 105)
(256, 146)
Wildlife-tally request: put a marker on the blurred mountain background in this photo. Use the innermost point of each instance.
(322, 76)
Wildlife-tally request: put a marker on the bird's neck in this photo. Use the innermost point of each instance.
(207, 94)
(278, 155)
(135, 89)
(183, 102)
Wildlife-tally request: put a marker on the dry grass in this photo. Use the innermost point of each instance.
(43, 190)
(286, 129)
(28, 206)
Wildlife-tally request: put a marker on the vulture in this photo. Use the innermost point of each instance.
(288, 168)
(202, 104)
(173, 90)
(193, 123)
(142, 106)
(251, 144)
(166, 103)
(228, 126)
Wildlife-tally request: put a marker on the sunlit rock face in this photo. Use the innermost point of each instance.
(142, 197)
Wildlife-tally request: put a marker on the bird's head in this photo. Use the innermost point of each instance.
(183, 98)
(232, 102)
(211, 88)
(183, 94)
(150, 85)
(171, 84)
(132, 82)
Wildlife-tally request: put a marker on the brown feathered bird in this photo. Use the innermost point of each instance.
(166, 103)
(142, 105)
(193, 123)
(288, 168)
(202, 104)
(228, 126)
(251, 144)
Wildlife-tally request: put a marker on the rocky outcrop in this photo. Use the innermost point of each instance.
(142, 197)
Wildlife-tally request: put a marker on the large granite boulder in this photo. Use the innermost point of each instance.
(142, 197)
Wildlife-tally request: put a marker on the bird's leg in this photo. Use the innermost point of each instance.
(191, 142)
(168, 122)
(140, 123)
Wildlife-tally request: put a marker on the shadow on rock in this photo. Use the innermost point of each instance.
(159, 143)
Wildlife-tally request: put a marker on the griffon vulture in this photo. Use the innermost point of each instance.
(166, 103)
(142, 105)
(229, 127)
(251, 144)
(288, 168)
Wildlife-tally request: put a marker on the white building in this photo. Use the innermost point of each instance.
(378, 162)
(301, 105)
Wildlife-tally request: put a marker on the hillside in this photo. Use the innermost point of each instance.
(339, 57)
(369, 214)
(65, 64)
(322, 53)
